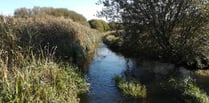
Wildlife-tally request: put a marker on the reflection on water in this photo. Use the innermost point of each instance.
(106, 64)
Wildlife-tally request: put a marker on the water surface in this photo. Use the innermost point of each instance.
(106, 64)
(102, 69)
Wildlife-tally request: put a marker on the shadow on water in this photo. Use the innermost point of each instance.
(106, 64)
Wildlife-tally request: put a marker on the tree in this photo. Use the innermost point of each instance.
(175, 30)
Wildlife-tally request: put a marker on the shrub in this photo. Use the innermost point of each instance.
(99, 25)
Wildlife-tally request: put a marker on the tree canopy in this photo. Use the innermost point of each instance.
(176, 30)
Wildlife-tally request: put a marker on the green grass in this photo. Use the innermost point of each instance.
(40, 81)
(131, 88)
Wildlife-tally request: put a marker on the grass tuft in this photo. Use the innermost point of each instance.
(131, 88)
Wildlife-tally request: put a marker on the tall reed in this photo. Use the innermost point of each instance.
(39, 80)
(28, 47)
(73, 40)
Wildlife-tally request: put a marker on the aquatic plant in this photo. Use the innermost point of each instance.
(131, 88)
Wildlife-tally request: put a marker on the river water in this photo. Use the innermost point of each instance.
(106, 64)
(101, 71)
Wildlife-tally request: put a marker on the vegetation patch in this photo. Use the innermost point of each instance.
(203, 73)
(72, 40)
(29, 46)
(39, 80)
(56, 12)
(186, 90)
(99, 25)
(131, 88)
(175, 31)
(114, 41)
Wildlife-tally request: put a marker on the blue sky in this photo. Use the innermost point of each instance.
(87, 8)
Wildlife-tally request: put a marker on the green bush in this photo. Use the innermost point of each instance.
(99, 25)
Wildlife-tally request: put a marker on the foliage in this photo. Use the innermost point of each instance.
(99, 25)
(188, 91)
(28, 72)
(57, 12)
(116, 26)
(175, 30)
(73, 40)
(113, 41)
(131, 88)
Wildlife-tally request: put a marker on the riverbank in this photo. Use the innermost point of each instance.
(40, 80)
(40, 58)
(165, 79)
(118, 42)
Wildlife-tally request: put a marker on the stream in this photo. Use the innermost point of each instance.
(101, 71)
(106, 64)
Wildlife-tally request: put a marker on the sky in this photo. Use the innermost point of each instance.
(87, 8)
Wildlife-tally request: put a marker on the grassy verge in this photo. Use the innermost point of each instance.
(131, 88)
(39, 80)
